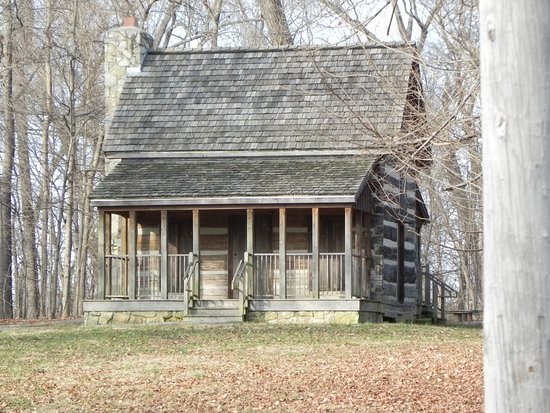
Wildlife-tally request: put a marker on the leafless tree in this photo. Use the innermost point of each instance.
(8, 146)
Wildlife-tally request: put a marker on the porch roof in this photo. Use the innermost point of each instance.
(234, 181)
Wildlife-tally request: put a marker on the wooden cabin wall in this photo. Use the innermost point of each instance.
(263, 231)
(222, 245)
(299, 235)
(331, 237)
(180, 232)
(298, 230)
(394, 237)
(213, 255)
(148, 232)
(116, 232)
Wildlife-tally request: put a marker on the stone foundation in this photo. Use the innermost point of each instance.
(313, 317)
(98, 318)
(93, 318)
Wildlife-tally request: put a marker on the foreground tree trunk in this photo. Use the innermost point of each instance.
(6, 56)
(515, 51)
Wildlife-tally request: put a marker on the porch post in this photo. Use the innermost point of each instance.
(100, 289)
(108, 243)
(315, 250)
(250, 248)
(132, 267)
(348, 253)
(164, 254)
(196, 252)
(282, 253)
(358, 279)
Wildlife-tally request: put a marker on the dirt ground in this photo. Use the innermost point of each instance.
(244, 368)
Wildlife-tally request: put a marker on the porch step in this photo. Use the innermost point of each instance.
(217, 304)
(197, 319)
(214, 312)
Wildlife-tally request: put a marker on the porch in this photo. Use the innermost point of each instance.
(254, 256)
(300, 280)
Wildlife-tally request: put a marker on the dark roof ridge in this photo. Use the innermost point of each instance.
(281, 157)
(290, 48)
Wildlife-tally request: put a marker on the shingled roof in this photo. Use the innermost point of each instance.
(330, 98)
(242, 180)
(273, 126)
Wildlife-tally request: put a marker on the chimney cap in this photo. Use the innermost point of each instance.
(130, 21)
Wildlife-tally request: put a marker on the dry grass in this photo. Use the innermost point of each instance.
(248, 367)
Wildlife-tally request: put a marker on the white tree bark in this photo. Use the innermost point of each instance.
(515, 73)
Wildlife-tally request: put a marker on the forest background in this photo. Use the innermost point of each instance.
(52, 129)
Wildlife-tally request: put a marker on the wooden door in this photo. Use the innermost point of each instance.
(213, 256)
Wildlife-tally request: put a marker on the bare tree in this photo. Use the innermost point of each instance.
(7, 164)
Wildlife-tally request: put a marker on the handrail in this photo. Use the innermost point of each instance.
(435, 293)
(240, 282)
(239, 272)
(442, 284)
(187, 292)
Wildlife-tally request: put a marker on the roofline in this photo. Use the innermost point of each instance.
(227, 201)
(289, 48)
(241, 154)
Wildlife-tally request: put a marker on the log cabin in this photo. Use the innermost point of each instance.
(259, 184)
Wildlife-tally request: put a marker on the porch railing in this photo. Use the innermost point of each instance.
(298, 275)
(266, 275)
(148, 277)
(116, 270)
(177, 264)
(331, 274)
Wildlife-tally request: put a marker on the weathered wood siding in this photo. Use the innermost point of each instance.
(180, 232)
(394, 225)
(148, 233)
(213, 256)
(298, 231)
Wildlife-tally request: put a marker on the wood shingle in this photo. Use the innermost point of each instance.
(237, 180)
(262, 100)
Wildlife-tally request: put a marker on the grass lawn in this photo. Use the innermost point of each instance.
(242, 368)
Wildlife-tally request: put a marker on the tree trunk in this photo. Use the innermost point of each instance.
(28, 236)
(6, 302)
(515, 51)
(68, 236)
(274, 16)
(83, 242)
(44, 163)
(23, 82)
(214, 13)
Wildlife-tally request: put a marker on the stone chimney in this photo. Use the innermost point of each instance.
(125, 48)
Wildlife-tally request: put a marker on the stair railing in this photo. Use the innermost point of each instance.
(240, 282)
(435, 292)
(187, 277)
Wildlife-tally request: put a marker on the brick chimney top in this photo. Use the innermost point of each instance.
(130, 21)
